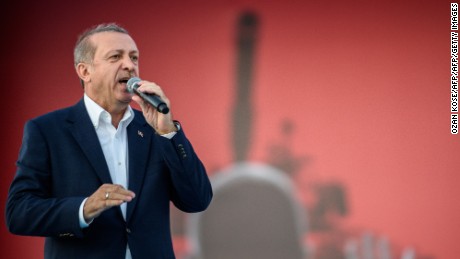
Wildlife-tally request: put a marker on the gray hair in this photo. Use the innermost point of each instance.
(84, 49)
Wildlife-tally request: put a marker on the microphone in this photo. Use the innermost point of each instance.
(153, 99)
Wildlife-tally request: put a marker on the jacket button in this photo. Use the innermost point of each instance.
(128, 230)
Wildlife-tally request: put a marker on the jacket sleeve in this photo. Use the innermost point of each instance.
(31, 208)
(191, 188)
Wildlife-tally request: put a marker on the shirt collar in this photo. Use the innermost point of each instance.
(96, 112)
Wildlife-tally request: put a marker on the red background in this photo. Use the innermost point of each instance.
(365, 84)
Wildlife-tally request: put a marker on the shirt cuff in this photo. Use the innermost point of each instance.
(83, 223)
(170, 135)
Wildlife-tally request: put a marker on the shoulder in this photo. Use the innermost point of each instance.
(59, 115)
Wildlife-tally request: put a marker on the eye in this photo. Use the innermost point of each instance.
(134, 58)
(115, 57)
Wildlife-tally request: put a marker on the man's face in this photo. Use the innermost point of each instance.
(114, 62)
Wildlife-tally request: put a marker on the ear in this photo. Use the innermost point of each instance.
(83, 72)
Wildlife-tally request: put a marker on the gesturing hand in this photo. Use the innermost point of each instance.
(106, 197)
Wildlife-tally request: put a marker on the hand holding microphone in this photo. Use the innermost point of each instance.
(152, 99)
(156, 105)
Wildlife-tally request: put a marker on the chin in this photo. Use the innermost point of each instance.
(124, 101)
(126, 97)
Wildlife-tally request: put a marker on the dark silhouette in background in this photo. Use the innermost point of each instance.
(255, 213)
(247, 28)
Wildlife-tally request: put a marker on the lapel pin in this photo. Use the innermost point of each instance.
(140, 133)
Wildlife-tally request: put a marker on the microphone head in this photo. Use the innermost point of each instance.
(132, 84)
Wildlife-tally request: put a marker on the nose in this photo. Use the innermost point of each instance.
(129, 64)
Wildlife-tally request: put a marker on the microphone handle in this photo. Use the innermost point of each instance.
(154, 100)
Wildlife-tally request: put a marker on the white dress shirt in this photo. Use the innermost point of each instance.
(114, 142)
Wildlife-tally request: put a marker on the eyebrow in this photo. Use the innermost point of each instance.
(108, 53)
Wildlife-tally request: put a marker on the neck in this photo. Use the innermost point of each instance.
(117, 110)
(116, 118)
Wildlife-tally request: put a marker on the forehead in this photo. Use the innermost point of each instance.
(113, 41)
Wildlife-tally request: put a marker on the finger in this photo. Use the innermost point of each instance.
(107, 204)
(147, 109)
(140, 101)
(117, 192)
(152, 88)
(116, 196)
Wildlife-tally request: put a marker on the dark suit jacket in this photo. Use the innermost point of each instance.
(61, 163)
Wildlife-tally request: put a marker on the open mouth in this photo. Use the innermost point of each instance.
(123, 80)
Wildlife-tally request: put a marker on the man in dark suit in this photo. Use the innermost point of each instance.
(96, 179)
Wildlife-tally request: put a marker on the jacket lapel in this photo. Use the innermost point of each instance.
(139, 141)
(83, 131)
